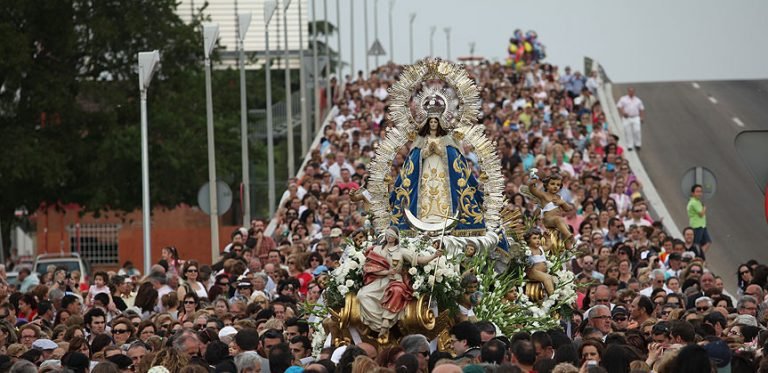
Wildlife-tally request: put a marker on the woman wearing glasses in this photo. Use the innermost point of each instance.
(122, 331)
(190, 305)
(191, 284)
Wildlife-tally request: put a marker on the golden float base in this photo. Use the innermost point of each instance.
(417, 318)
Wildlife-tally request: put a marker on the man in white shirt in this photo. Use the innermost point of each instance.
(633, 112)
(341, 162)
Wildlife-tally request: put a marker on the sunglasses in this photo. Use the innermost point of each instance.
(189, 302)
(192, 270)
(702, 309)
(620, 318)
(119, 331)
(744, 272)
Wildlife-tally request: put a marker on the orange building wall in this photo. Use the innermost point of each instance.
(187, 228)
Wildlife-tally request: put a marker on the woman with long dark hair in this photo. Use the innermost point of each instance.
(146, 299)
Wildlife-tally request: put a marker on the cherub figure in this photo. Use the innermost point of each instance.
(536, 268)
(552, 205)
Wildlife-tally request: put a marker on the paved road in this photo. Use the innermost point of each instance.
(692, 124)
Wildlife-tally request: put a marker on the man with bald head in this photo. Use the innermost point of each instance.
(707, 286)
(447, 368)
(603, 296)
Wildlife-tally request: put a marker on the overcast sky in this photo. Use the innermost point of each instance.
(646, 40)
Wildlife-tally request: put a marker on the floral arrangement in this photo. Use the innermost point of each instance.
(348, 276)
(441, 277)
(504, 302)
(318, 341)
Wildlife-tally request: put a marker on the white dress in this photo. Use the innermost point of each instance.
(372, 312)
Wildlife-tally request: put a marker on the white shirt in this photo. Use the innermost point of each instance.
(335, 170)
(632, 106)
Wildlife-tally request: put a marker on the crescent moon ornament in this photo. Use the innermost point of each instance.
(432, 228)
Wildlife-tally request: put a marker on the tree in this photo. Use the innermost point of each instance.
(69, 106)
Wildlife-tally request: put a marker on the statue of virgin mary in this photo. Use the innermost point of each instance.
(435, 182)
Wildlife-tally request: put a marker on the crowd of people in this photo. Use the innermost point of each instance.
(647, 301)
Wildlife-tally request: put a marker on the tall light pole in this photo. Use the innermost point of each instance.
(338, 43)
(315, 73)
(410, 33)
(447, 42)
(269, 11)
(376, 29)
(243, 21)
(365, 22)
(288, 103)
(210, 34)
(149, 62)
(303, 88)
(472, 50)
(328, 98)
(432, 40)
(352, 39)
(391, 38)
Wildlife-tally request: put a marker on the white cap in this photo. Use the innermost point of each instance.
(44, 344)
(227, 334)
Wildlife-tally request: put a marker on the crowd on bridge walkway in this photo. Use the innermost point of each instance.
(648, 301)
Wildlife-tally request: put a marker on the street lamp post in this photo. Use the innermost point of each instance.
(410, 33)
(315, 73)
(376, 29)
(288, 103)
(243, 21)
(210, 34)
(328, 98)
(391, 38)
(447, 42)
(269, 10)
(472, 50)
(365, 23)
(338, 42)
(149, 62)
(352, 39)
(303, 88)
(432, 40)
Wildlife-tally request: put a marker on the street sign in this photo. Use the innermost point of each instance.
(223, 198)
(701, 176)
(376, 49)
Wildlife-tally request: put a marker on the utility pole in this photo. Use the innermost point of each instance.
(288, 101)
(410, 33)
(365, 22)
(448, 42)
(303, 89)
(352, 39)
(376, 28)
(391, 38)
(432, 41)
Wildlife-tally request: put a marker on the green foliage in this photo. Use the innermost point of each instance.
(69, 107)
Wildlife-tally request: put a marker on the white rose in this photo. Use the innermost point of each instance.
(349, 283)
(353, 264)
(412, 271)
(431, 280)
(343, 290)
